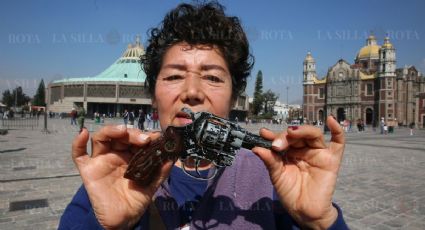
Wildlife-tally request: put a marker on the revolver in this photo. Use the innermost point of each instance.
(208, 137)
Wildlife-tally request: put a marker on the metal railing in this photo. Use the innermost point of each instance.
(19, 121)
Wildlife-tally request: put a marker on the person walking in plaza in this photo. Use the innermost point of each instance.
(73, 116)
(411, 126)
(382, 124)
(155, 119)
(350, 126)
(344, 124)
(81, 116)
(391, 125)
(359, 125)
(131, 118)
(188, 66)
(125, 117)
(148, 121)
(141, 120)
(385, 128)
(97, 117)
(6, 115)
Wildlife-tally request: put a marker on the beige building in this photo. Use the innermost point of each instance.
(119, 87)
(370, 89)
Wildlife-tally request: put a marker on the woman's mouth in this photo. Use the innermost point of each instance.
(183, 118)
(183, 121)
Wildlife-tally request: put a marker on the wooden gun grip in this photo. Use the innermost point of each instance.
(146, 163)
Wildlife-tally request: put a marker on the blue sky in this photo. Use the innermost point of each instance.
(53, 39)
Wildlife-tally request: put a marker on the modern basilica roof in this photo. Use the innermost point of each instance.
(126, 69)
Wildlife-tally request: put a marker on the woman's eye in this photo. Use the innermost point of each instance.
(173, 78)
(213, 79)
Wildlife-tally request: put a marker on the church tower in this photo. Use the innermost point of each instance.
(387, 59)
(387, 81)
(309, 69)
(309, 73)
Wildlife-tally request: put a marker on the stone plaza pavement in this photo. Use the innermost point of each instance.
(381, 183)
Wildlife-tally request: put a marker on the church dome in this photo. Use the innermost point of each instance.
(126, 69)
(371, 50)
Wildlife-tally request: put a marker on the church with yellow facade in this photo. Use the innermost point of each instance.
(370, 89)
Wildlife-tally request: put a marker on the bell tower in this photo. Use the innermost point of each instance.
(309, 69)
(387, 61)
(387, 81)
(309, 73)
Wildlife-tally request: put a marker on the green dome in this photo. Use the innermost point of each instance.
(127, 68)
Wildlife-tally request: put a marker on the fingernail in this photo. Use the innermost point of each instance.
(264, 128)
(278, 143)
(121, 127)
(143, 137)
(293, 127)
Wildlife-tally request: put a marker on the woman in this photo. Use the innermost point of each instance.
(199, 58)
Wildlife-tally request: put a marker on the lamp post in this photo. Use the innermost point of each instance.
(16, 98)
(287, 96)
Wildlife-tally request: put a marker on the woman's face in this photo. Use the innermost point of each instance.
(195, 77)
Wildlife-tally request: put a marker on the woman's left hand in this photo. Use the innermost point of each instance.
(305, 176)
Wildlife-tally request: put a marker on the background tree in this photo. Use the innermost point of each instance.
(8, 98)
(257, 103)
(269, 100)
(21, 98)
(17, 96)
(40, 96)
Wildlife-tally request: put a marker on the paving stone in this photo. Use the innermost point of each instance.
(398, 222)
(381, 227)
(7, 219)
(372, 220)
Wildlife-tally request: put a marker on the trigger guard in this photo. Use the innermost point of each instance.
(199, 177)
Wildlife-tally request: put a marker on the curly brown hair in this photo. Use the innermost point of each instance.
(200, 24)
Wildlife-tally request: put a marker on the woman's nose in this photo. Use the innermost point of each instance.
(192, 93)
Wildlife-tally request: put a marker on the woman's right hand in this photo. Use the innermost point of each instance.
(117, 202)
